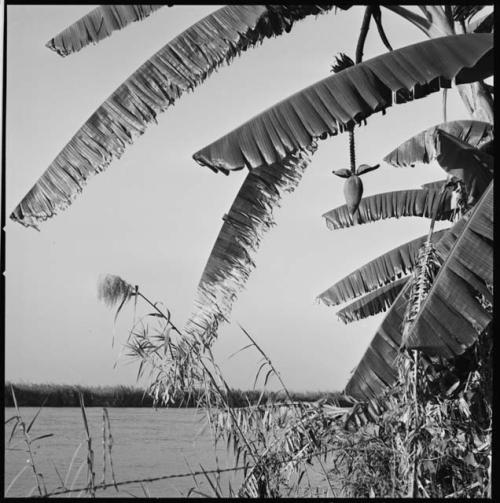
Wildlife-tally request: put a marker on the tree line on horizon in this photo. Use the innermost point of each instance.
(66, 395)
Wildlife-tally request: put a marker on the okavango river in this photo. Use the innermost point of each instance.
(146, 443)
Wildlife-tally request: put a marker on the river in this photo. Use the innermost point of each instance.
(146, 443)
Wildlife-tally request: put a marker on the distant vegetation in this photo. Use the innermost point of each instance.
(64, 395)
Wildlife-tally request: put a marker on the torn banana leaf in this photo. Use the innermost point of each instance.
(341, 100)
(396, 204)
(373, 303)
(376, 370)
(421, 148)
(97, 25)
(378, 272)
(465, 162)
(452, 302)
(231, 259)
(453, 315)
(180, 66)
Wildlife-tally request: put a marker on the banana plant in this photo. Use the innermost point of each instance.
(451, 316)
(473, 167)
(276, 146)
(183, 64)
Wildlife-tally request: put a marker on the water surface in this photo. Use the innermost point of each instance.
(146, 443)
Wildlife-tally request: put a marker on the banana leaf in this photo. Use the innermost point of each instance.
(180, 66)
(396, 204)
(438, 184)
(375, 302)
(231, 259)
(452, 315)
(421, 147)
(341, 100)
(378, 272)
(97, 25)
(463, 161)
(376, 370)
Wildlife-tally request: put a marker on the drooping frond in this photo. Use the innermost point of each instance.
(179, 66)
(451, 316)
(465, 162)
(421, 147)
(396, 204)
(97, 25)
(373, 303)
(230, 262)
(339, 101)
(377, 273)
(376, 370)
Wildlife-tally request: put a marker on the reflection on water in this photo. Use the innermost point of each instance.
(146, 443)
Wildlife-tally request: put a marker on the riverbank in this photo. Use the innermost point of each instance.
(65, 395)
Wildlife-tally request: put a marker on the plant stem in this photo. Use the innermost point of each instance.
(365, 26)
(377, 16)
(445, 96)
(352, 151)
(27, 441)
(414, 490)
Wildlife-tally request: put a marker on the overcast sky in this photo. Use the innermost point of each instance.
(154, 215)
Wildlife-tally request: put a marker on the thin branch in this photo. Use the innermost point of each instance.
(449, 14)
(365, 26)
(425, 11)
(377, 16)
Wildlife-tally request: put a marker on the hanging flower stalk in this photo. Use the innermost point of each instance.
(353, 186)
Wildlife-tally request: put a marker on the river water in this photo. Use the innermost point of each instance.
(146, 443)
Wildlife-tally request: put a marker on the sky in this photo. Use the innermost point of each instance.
(153, 216)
